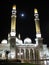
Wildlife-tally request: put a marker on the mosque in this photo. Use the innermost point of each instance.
(26, 51)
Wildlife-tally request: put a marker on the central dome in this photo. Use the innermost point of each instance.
(27, 40)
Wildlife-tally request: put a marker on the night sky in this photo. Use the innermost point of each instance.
(25, 25)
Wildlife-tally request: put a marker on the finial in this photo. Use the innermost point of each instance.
(14, 7)
(35, 11)
(19, 36)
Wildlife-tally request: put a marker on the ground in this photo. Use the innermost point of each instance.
(3, 62)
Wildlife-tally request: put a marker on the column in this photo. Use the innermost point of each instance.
(24, 53)
(20, 53)
(29, 54)
(33, 56)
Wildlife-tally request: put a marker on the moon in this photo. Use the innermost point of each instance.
(22, 14)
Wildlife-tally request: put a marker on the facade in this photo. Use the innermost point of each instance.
(26, 51)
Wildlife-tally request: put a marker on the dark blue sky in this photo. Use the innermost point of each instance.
(26, 25)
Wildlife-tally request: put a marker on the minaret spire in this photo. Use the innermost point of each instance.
(14, 7)
(38, 33)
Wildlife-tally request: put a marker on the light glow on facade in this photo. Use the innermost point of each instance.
(12, 55)
(19, 53)
(3, 55)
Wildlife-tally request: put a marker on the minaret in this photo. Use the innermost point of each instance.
(38, 33)
(13, 21)
(13, 34)
(39, 39)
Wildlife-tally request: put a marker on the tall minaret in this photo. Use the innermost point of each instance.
(13, 34)
(39, 39)
(13, 21)
(38, 33)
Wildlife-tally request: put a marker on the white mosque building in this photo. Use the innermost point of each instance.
(26, 51)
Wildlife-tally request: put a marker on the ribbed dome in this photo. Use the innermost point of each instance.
(4, 41)
(27, 40)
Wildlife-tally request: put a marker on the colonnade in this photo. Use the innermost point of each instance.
(25, 53)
